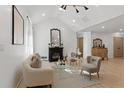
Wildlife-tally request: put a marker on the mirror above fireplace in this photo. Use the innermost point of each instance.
(55, 36)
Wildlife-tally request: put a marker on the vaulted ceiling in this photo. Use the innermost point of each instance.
(111, 17)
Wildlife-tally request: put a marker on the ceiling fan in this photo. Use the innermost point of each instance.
(75, 6)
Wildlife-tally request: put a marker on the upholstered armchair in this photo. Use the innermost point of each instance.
(34, 77)
(73, 59)
(92, 66)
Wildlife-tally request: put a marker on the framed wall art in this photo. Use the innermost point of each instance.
(17, 27)
(97, 42)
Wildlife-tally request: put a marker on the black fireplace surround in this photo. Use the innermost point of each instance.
(55, 53)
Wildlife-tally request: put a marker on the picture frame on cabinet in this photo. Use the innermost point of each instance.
(97, 42)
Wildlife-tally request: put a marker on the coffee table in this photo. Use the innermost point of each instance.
(60, 65)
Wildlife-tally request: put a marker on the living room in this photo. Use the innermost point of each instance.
(103, 22)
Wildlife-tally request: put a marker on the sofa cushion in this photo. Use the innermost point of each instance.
(35, 62)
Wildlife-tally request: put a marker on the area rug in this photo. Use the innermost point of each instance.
(70, 77)
(97, 85)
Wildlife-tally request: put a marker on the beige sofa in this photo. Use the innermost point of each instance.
(37, 76)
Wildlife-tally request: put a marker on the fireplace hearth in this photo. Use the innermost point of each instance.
(55, 53)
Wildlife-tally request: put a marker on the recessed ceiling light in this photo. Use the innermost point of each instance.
(43, 14)
(120, 29)
(103, 27)
(73, 20)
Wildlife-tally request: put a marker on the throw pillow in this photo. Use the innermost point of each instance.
(38, 55)
(36, 62)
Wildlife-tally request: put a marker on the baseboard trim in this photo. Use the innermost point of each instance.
(19, 82)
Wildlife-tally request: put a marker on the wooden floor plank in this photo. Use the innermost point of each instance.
(112, 73)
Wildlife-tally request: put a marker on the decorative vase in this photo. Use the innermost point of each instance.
(103, 46)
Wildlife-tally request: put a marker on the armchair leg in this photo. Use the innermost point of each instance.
(50, 85)
(98, 74)
(81, 71)
(90, 75)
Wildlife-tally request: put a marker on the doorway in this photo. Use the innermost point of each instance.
(80, 45)
(118, 46)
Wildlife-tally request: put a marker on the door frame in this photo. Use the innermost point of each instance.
(114, 47)
(82, 43)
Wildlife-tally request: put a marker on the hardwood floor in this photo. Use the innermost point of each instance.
(112, 73)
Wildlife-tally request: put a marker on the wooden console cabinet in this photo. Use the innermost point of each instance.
(101, 52)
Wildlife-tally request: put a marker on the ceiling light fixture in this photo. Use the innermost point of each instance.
(73, 20)
(62, 6)
(86, 8)
(43, 14)
(77, 10)
(60, 9)
(121, 29)
(103, 26)
(75, 6)
(65, 7)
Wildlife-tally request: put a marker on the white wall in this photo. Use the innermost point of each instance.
(87, 44)
(29, 37)
(11, 56)
(42, 36)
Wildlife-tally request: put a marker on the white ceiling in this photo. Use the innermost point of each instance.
(110, 26)
(111, 17)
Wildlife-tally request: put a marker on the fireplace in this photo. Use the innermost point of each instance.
(55, 53)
